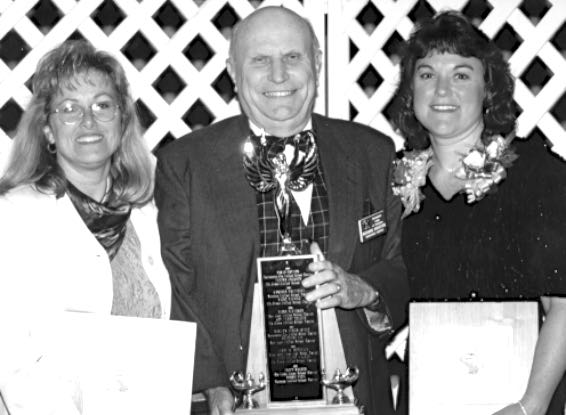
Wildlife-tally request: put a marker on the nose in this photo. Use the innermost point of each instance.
(278, 71)
(442, 86)
(88, 118)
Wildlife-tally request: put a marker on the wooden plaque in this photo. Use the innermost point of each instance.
(292, 343)
(469, 358)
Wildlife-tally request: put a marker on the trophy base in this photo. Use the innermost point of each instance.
(346, 409)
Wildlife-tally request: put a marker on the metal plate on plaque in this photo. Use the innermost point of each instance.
(293, 340)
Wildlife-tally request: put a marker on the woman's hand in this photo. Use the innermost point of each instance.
(513, 409)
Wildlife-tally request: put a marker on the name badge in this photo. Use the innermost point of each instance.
(371, 226)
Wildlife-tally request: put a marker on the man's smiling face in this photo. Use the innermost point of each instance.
(275, 69)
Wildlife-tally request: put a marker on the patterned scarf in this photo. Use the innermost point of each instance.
(105, 222)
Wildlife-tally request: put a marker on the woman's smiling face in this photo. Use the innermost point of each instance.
(88, 143)
(448, 94)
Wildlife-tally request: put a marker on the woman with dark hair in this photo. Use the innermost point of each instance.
(454, 107)
(78, 228)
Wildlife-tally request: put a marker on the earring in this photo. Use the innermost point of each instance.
(51, 148)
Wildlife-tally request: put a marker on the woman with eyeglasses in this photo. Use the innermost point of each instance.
(78, 228)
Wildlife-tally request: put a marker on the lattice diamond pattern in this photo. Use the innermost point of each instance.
(169, 18)
(174, 54)
(13, 49)
(507, 40)
(45, 15)
(477, 10)
(108, 16)
(169, 84)
(9, 114)
(536, 75)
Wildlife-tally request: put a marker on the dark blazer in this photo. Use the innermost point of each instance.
(210, 241)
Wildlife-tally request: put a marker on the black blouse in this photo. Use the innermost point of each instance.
(509, 245)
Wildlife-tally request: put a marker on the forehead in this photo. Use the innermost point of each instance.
(450, 60)
(91, 82)
(274, 30)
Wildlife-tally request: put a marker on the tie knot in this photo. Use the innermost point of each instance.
(276, 145)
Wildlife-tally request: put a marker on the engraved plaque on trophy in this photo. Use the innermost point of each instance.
(294, 355)
(292, 342)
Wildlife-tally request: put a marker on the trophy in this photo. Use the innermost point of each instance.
(292, 342)
(339, 382)
(247, 386)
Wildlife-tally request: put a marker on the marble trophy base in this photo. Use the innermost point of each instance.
(346, 409)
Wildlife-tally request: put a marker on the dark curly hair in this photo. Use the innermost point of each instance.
(452, 32)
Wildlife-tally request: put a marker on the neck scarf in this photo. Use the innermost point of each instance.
(106, 222)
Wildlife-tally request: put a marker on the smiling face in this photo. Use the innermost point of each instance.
(449, 92)
(88, 144)
(275, 71)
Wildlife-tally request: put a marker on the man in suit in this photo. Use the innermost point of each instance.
(214, 224)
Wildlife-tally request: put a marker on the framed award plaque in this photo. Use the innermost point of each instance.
(469, 358)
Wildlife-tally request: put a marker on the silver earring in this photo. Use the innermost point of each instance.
(51, 148)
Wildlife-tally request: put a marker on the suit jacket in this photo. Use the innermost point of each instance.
(210, 241)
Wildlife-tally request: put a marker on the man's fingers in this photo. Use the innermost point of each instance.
(316, 251)
(221, 401)
(324, 290)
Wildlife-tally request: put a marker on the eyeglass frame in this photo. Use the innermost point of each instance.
(57, 111)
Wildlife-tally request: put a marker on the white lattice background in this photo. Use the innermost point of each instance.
(174, 54)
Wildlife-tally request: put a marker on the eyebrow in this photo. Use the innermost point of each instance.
(460, 66)
(97, 96)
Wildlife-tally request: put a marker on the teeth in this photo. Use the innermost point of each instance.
(444, 107)
(89, 138)
(277, 93)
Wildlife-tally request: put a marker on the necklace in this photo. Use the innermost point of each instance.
(481, 169)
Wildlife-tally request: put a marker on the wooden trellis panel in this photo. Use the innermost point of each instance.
(336, 24)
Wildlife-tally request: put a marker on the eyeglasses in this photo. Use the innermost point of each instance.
(71, 113)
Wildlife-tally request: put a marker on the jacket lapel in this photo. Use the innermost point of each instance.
(343, 182)
(237, 199)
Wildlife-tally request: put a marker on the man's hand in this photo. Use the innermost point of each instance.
(334, 287)
(220, 401)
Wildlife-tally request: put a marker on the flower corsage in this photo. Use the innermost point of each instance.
(484, 167)
(409, 175)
